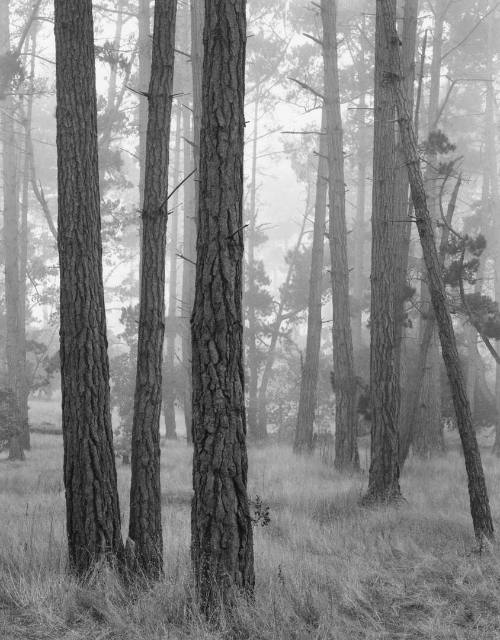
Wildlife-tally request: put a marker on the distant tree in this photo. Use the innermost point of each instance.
(384, 466)
(93, 514)
(479, 503)
(145, 493)
(221, 529)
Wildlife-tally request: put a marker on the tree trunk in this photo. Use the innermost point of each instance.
(384, 389)
(169, 386)
(252, 360)
(479, 503)
(221, 528)
(346, 446)
(11, 247)
(188, 268)
(310, 370)
(92, 509)
(144, 46)
(145, 493)
(428, 417)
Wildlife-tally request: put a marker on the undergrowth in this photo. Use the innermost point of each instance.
(326, 568)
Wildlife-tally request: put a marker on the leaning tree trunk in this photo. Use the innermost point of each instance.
(92, 509)
(221, 528)
(346, 446)
(384, 468)
(479, 503)
(310, 370)
(169, 385)
(145, 493)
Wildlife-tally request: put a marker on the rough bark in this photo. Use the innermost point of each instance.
(310, 370)
(92, 509)
(144, 46)
(170, 355)
(384, 390)
(221, 529)
(346, 446)
(479, 503)
(145, 494)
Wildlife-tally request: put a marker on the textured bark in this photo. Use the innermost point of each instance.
(479, 503)
(346, 446)
(92, 510)
(170, 355)
(145, 494)
(310, 370)
(221, 542)
(384, 468)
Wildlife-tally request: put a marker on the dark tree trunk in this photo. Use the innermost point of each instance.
(479, 503)
(93, 514)
(310, 370)
(145, 493)
(144, 47)
(170, 355)
(221, 543)
(346, 446)
(384, 390)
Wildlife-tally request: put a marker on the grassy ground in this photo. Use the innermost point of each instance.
(326, 568)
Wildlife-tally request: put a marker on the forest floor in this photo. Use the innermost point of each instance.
(326, 568)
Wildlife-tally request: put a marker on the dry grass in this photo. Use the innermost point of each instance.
(326, 568)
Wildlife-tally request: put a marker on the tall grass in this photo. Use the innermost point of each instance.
(326, 568)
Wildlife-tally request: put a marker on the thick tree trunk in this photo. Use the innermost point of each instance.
(346, 446)
(479, 503)
(145, 494)
(93, 514)
(384, 468)
(221, 528)
(310, 370)
(169, 385)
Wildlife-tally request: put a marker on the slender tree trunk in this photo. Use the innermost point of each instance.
(384, 390)
(144, 46)
(310, 370)
(145, 493)
(221, 529)
(252, 361)
(93, 514)
(277, 324)
(188, 268)
(479, 503)
(346, 446)
(197, 9)
(169, 386)
(11, 247)
(429, 414)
